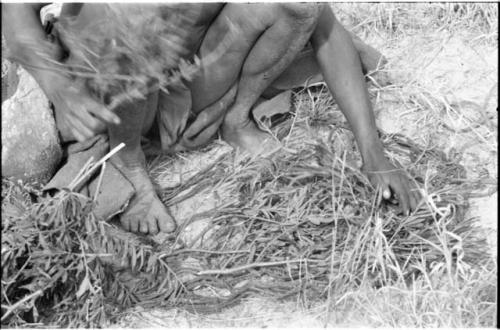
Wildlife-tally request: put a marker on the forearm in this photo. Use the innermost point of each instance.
(341, 68)
(28, 43)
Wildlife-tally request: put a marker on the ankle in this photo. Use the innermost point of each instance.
(129, 159)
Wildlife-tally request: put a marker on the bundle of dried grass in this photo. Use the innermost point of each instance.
(63, 266)
(125, 65)
(122, 52)
(305, 222)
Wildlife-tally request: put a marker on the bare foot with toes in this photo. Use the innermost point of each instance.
(145, 213)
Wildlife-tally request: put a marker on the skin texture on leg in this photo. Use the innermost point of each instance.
(305, 66)
(223, 52)
(146, 213)
(341, 68)
(207, 122)
(266, 32)
(286, 28)
(338, 57)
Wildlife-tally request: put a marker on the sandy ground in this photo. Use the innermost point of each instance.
(444, 83)
(459, 69)
(465, 74)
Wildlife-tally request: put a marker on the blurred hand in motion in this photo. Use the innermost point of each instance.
(78, 115)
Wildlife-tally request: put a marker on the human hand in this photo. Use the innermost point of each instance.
(208, 121)
(78, 116)
(393, 184)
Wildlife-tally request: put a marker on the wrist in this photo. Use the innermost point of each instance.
(372, 152)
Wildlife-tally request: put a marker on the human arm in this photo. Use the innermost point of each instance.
(341, 68)
(80, 116)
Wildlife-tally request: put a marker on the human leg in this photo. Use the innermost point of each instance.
(286, 30)
(145, 213)
(223, 51)
(341, 68)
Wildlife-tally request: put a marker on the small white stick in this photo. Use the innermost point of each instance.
(96, 165)
(10, 309)
(99, 182)
(250, 266)
(82, 171)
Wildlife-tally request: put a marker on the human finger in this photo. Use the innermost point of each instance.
(65, 129)
(134, 225)
(211, 114)
(98, 109)
(412, 191)
(204, 119)
(95, 125)
(85, 130)
(143, 226)
(153, 226)
(203, 137)
(106, 115)
(92, 125)
(415, 197)
(78, 136)
(382, 189)
(79, 131)
(99, 126)
(403, 198)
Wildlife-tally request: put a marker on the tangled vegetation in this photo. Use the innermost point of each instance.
(303, 222)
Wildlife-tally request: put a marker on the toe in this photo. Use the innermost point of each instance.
(167, 224)
(134, 225)
(144, 226)
(153, 226)
(125, 223)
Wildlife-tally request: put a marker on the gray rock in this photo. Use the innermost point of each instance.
(10, 79)
(30, 143)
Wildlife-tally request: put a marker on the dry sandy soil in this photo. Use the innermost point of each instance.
(444, 94)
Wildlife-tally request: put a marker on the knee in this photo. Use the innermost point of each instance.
(302, 16)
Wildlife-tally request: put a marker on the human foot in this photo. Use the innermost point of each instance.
(247, 136)
(145, 213)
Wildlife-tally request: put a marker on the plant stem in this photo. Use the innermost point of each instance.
(12, 308)
(249, 266)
